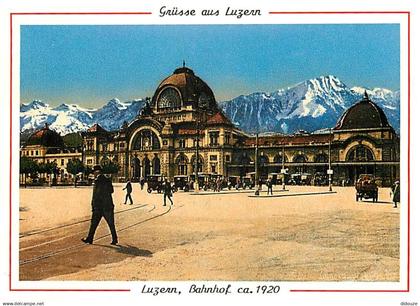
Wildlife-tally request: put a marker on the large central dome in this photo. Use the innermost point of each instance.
(181, 90)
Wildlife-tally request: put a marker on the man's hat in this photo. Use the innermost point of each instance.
(97, 168)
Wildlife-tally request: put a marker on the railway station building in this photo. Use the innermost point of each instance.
(182, 123)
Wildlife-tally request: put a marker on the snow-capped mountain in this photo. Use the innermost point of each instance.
(69, 118)
(113, 114)
(310, 105)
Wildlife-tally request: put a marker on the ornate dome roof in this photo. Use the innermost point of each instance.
(46, 137)
(363, 114)
(183, 88)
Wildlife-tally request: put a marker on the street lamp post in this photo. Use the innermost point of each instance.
(283, 170)
(257, 186)
(330, 171)
(197, 140)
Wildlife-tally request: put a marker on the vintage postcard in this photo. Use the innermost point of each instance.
(230, 151)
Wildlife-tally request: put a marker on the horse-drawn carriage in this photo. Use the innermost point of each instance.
(366, 188)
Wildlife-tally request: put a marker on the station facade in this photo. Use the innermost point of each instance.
(183, 112)
(163, 138)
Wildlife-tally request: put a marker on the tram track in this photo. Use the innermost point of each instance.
(81, 245)
(33, 233)
(33, 246)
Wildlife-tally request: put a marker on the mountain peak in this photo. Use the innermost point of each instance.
(116, 102)
(310, 105)
(62, 107)
(36, 104)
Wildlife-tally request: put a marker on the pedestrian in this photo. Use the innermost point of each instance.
(167, 192)
(129, 190)
(269, 186)
(396, 193)
(142, 180)
(102, 206)
(218, 184)
(260, 183)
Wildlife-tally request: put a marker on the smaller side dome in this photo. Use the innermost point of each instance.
(46, 137)
(364, 114)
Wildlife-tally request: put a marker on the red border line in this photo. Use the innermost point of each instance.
(10, 157)
(408, 153)
(71, 290)
(84, 13)
(342, 12)
(341, 291)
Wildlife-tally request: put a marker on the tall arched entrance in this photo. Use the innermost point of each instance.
(364, 155)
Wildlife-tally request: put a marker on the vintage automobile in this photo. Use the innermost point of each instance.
(244, 183)
(155, 182)
(366, 188)
(234, 180)
(300, 179)
(182, 182)
(320, 179)
(202, 180)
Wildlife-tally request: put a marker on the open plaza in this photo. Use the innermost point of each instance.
(305, 233)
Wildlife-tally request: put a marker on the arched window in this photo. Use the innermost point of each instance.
(105, 160)
(360, 153)
(263, 160)
(146, 167)
(146, 140)
(243, 159)
(156, 165)
(135, 164)
(200, 163)
(181, 161)
(300, 158)
(321, 158)
(169, 99)
(278, 159)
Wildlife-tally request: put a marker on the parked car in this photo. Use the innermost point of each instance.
(182, 182)
(203, 180)
(155, 182)
(320, 179)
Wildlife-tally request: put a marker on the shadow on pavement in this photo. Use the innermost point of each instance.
(379, 202)
(129, 250)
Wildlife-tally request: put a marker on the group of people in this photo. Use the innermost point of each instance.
(103, 206)
(166, 188)
(268, 182)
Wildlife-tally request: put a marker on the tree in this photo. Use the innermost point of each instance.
(110, 168)
(27, 166)
(49, 168)
(75, 166)
(73, 140)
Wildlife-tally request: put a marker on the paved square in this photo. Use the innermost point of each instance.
(317, 237)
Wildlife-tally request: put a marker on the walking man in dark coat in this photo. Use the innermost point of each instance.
(129, 190)
(396, 193)
(102, 206)
(167, 192)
